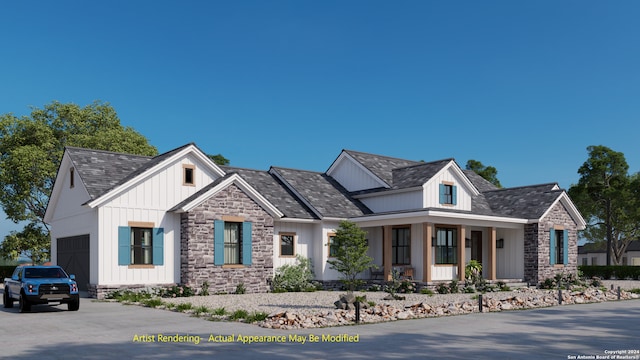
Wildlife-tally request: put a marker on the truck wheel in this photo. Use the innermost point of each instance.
(74, 305)
(7, 300)
(25, 306)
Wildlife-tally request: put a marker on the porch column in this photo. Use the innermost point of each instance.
(386, 252)
(491, 274)
(462, 260)
(427, 231)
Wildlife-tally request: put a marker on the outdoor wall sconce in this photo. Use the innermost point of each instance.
(499, 243)
(467, 242)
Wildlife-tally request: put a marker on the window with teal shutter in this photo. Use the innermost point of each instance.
(441, 193)
(247, 245)
(218, 242)
(158, 246)
(552, 247)
(565, 245)
(454, 194)
(124, 245)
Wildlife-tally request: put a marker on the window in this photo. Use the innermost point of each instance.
(189, 175)
(594, 261)
(401, 246)
(558, 246)
(332, 247)
(585, 261)
(448, 194)
(72, 178)
(446, 246)
(286, 244)
(232, 243)
(141, 246)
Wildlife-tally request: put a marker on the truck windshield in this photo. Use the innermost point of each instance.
(34, 273)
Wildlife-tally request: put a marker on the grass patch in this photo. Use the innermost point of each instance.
(200, 310)
(238, 315)
(635, 291)
(184, 306)
(256, 316)
(153, 303)
(219, 311)
(426, 291)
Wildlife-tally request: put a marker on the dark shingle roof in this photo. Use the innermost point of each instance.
(416, 175)
(323, 193)
(479, 182)
(101, 171)
(381, 166)
(274, 191)
(527, 202)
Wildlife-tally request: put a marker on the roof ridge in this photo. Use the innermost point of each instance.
(286, 168)
(424, 163)
(108, 152)
(526, 186)
(383, 156)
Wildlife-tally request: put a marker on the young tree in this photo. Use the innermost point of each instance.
(30, 153)
(489, 173)
(608, 198)
(349, 254)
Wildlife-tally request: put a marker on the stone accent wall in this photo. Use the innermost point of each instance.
(537, 265)
(196, 245)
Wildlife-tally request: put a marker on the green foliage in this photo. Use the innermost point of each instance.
(130, 295)
(153, 302)
(184, 306)
(219, 311)
(256, 316)
(33, 241)
(473, 271)
(204, 290)
(392, 287)
(30, 153)
(489, 173)
(219, 159)
(197, 311)
(350, 254)
(635, 291)
(608, 272)
(297, 277)
(176, 291)
(240, 289)
(6, 271)
(453, 287)
(443, 288)
(609, 199)
(407, 287)
(427, 291)
(239, 314)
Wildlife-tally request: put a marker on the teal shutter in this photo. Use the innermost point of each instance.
(218, 242)
(441, 193)
(158, 246)
(565, 244)
(454, 195)
(247, 246)
(552, 247)
(124, 245)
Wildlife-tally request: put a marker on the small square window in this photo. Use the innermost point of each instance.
(189, 175)
(287, 244)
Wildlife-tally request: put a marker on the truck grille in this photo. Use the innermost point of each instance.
(60, 288)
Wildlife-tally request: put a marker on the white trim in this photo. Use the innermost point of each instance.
(457, 171)
(243, 185)
(573, 211)
(123, 187)
(344, 156)
(436, 216)
(388, 192)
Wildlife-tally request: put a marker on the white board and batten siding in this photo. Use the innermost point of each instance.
(432, 191)
(148, 201)
(303, 242)
(352, 176)
(510, 258)
(394, 202)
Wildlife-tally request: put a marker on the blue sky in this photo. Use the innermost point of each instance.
(524, 86)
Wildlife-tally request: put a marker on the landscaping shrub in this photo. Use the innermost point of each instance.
(621, 272)
(295, 278)
(177, 291)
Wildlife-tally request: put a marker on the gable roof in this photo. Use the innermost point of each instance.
(320, 193)
(527, 202)
(380, 166)
(416, 175)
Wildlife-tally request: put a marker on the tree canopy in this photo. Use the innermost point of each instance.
(31, 149)
(219, 159)
(349, 253)
(489, 173)
(609, 199)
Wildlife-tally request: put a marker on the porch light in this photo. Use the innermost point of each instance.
(499, 243)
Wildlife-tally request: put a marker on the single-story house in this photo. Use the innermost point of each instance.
(596, 254)
(126, 221)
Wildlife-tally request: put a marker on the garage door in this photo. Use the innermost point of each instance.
(73, 256)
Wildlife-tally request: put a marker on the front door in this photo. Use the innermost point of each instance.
(476, 246)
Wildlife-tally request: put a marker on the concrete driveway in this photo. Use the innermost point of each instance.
(107, 331)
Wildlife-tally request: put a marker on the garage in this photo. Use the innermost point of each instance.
(73, 256)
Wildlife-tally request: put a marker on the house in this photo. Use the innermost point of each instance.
(596, 254)
(127, 221)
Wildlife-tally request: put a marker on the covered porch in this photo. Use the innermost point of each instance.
(434, 251)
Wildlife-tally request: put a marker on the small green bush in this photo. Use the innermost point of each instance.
(153, 303)
(295, 278)
(621, 272)
(177, 291)
(256, 316)
(635, 291)
(240, 289)
(239, 314)
(219, 311)
(204, 290)
(184, 306)
(407, 287)
(427, 291)
(443, 288)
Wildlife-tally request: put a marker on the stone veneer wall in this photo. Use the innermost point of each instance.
(196, 244)
(537, 265)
